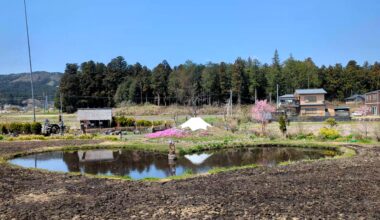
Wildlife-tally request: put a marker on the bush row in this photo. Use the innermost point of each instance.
(21, 128)
(129, 122)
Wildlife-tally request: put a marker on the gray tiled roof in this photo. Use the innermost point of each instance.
(373, 91)
(355, 96)
(310, 91)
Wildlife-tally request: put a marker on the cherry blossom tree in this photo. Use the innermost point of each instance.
(364, 125)
(261, 112)
(364, 110)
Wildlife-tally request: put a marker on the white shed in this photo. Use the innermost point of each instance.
(95, 117)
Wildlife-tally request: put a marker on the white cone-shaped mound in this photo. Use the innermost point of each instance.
(197, 159)
(196, 123)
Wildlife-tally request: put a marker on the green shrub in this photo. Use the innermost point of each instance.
(36, 128)
(26, 128)
(3, 129)
(158, 123)
(329, 133)
(15, 127)
(1, 137)
(303, 136)
(130, 122)
(331, 122)
(282, 124)
(144, 123)
(182, 151)
(125, 122)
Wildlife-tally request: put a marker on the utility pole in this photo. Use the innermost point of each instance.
(277, 96)
(255, 95)
(230, 106)
(43, 95)
(60, 105)
(270, 97)
(30, 63)
(46, 102)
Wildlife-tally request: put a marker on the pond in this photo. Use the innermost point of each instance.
(143, 164)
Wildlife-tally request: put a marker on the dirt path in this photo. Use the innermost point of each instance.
(344, 188)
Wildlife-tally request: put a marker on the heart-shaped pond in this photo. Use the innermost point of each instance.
(143, 164)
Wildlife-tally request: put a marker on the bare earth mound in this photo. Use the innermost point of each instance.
(343, 188)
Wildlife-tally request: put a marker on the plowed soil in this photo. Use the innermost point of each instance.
(334, 189)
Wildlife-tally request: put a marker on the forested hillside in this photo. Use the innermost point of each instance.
(15, 88)
(94, 84)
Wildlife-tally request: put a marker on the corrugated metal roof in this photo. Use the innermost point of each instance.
(94, 114)
(342, 108)
(287, 96)
(310, 91)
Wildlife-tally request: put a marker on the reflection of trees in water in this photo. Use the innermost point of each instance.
(72, 161)
(265, 156)
(126, 162)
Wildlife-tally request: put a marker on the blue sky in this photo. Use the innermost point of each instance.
(65, 31)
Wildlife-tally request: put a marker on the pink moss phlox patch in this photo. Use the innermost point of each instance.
(171, 132)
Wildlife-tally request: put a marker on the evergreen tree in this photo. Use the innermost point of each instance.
(238, 79)
(274, 76)
(225, 81)
(116, 73)
(68, 88)
(160, 78)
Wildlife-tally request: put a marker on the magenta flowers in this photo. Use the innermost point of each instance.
(171, 132)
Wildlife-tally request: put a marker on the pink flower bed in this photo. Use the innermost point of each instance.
(171, 132)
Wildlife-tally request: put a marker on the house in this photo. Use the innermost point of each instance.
(311, 102)
(95, 117)
(355, 99)
(289, 104)
(372, 100)
(287, 99)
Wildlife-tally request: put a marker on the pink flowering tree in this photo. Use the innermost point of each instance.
(262, 113)
(364, 110)
(364, 126)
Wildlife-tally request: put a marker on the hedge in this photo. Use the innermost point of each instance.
(21, 128)
(130, 122)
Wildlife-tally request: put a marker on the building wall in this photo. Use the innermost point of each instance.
(372, 100)
(374, 108)
(357, 102)
(312, 99)
(312, 110)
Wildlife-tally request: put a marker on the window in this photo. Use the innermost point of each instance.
(311, 111)
(310, 98)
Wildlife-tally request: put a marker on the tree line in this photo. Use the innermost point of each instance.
(93, 84)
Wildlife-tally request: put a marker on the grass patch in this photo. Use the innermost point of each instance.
(224, 169)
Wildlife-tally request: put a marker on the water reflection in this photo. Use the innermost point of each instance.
(139, 164)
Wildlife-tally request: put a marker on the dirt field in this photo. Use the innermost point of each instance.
(343, 188)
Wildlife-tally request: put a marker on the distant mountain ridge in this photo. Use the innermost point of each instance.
(15, 88)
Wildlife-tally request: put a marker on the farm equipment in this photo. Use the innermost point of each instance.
(49, 129)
